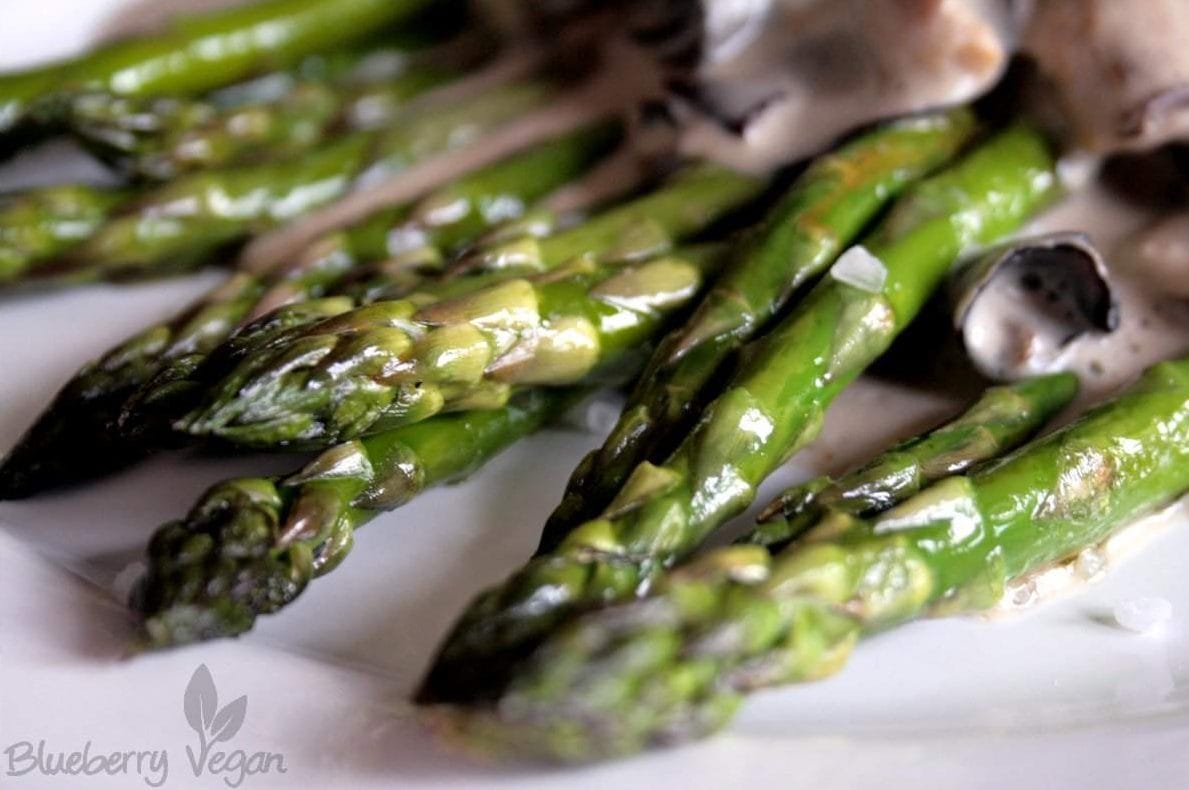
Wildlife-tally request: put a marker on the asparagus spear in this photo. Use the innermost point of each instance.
(415, 268)
(823, 211)
(394, 363)
(162, 139)
(772, 407)
(692, 200)
(76, 438)
(687, 204)
(677, 664)
(250, 546)
(1001, 419)
(204, 52)
(636, 230)
(184, 223)
(40, 223)
(413, 243)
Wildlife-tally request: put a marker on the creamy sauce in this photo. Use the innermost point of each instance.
(1089, 565)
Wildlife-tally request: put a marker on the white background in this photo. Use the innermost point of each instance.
(1059, 698)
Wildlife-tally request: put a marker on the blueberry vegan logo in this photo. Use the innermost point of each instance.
(214, 756)
(216, 725)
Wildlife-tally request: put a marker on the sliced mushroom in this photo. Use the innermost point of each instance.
(770, 81)
(1119, 69)
(1022, 306)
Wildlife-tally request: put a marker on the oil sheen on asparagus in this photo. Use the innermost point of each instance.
(773, 406)
(677, 664)
(78, 437)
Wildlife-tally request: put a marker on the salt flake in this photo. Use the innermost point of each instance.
(1142, 615)
(859, 268)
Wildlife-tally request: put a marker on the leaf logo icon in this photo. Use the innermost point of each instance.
(201, 705)
(201, 700)
(229, 720)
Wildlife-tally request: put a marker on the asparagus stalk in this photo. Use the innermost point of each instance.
(77, 437)
(412, 242)
(772, 407)
(204, 52)
(1003, 418)
(413, 268)
(394, 363)
(162, 139)
(676, 665)
(691, 201)
(823, 211)
(186, 222)
(636, 230)
(41, 223)
(252, 545)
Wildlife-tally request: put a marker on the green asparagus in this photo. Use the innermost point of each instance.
(413, 243)
(773, 406)
(186, 222)
(76, 438)
(252, 545)
(824, 210)
(200, 53)
(677, 664)
(394, 363)
(413, 267)
(1003, 418)
(686, 205)
(641, 228)
(162, 139)
(41, 223)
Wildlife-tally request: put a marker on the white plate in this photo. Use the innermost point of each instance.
(1057, 698)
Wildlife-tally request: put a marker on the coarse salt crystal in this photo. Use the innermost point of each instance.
(1091, 563)
(861, 269)
(1142, 615)
(1022, 593)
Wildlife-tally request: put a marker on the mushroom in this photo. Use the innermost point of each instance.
(1119, 70)
(764, 82)
(1020, 307)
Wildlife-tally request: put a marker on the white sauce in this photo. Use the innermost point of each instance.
(1088, 566)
